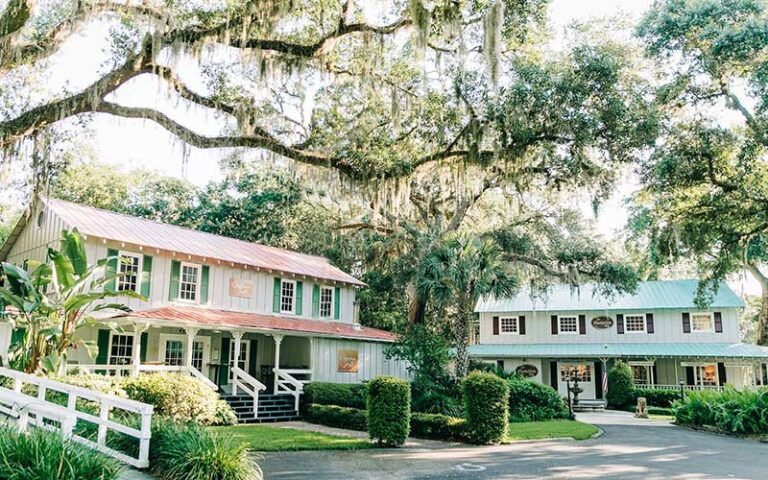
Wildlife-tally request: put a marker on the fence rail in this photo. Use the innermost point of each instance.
(19, 403)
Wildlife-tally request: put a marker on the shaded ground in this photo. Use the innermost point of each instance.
(630, 449)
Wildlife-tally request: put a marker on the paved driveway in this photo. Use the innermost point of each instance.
(630, 449)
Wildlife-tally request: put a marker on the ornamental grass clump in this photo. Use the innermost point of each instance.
(41, 454)
(730, 411)
(486, 405)
(388, 406)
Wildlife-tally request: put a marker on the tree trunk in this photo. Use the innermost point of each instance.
(417, 305)
(762, 321)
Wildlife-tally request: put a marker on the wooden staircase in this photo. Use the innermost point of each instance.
(272, 408)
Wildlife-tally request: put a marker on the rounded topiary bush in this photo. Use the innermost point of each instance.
(620, 385)
(388, 406)
(532, 401)
(179, 398)
(486, 398)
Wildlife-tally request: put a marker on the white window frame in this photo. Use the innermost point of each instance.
(711, 322)
(560, 325)
(649, 370)
(199, 275)
(643, 323)
(320, 304)
(516, 322)
(293, 301)
(587, 367)
(245, 349)
(696, 378)
(139, 266)
(206, 341)
(111, 339)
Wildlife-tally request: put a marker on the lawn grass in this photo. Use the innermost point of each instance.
(549, 429)
(262, 438)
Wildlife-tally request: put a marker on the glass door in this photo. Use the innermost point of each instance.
(242, 362)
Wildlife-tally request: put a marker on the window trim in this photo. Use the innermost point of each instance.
(320, 301)
(644, 323)
(648, 365)
(292, 311)
(205, 340)
(711, 322)
(560, 325)
(199, 268)
(139, 266)
(517, 325)
(125, 334)
(696, 378)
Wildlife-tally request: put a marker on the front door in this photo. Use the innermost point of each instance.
(242, 362)
(173, 351)
(584, 372)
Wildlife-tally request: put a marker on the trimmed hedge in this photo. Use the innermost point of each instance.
(656, 398)
(438, 427)
(486, 403)
(730, 411)
(388, 405)
(532, 401)
(620, 385)
(350, 395)
(334, 416)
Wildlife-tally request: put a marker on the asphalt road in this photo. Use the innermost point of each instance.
(630, 449)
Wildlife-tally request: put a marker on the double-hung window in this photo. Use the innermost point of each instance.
(174, 352)
(702, 322)
(582, 372)
(129, 269)
(189, 283)
(568, 324)
(326, 302)
(121, 349)
(634, 323)
(509, 325)
(642, 373)
(287, 296)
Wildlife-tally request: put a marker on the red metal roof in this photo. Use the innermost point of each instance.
(147, 233)
(226, 318)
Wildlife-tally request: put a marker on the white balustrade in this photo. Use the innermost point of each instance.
(248, 384)
(286, 382)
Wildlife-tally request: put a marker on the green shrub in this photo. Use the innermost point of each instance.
(730, 411)
(388, 405)
(339, 417)
(341, 394)
(180, 398)
(478, 366)
(46, 455)
(620, 386)
(438, 427)
(100, 383)
(532, 401)
(655, 397)
(192, 452)
(486, 398)
(660, 411)
(442, 397)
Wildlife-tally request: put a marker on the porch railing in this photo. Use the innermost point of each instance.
(248, 384)
(35, 409)
(715, 388)
(129, 369)
(286, 382)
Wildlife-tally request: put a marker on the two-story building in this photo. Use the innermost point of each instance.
(565, 333)
(242, 317)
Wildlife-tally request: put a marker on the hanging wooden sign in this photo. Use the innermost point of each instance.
(602, 322)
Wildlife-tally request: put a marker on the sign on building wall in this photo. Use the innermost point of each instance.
(240, 287)
(347, 361)
(527, 370)
(602, 322)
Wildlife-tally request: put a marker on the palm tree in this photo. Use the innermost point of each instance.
(455, 274)
(52, 300)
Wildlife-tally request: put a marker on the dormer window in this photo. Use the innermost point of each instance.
(189, 282)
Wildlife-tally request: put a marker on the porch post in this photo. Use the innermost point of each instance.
(136, 359)
(238, 337)
(191, 334)
(278, 341)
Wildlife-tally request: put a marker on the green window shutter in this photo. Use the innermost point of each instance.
(144, 342)
(146, 275)
(276, 296)
(315, 301)
(204, 284)
(103, 344)
(337, 303)
(110, 286)
(299, 297)
(173, 292)
(224, 370)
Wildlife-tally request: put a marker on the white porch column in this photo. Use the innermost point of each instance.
(238, 337)
(138, 329)
(278, 341)
(191, 334)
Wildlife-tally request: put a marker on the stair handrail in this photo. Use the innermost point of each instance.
(200, 376)
(283, 378)
(250, 385)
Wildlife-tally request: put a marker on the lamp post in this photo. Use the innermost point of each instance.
(682, 390)
(568, 393)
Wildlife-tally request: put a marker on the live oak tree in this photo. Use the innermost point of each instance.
(706, 185)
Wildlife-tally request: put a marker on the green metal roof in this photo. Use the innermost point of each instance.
(613, 350)
(665, 294)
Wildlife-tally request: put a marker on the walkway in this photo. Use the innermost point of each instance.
(630, 449)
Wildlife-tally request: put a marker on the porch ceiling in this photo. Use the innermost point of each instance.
(615, 350)
(229, 320)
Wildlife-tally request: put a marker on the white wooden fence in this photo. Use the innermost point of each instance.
(36, 410)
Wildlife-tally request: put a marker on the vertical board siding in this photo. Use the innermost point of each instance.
(371, 361)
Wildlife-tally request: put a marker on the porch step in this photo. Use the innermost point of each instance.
(272, 408)
(589, 406)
